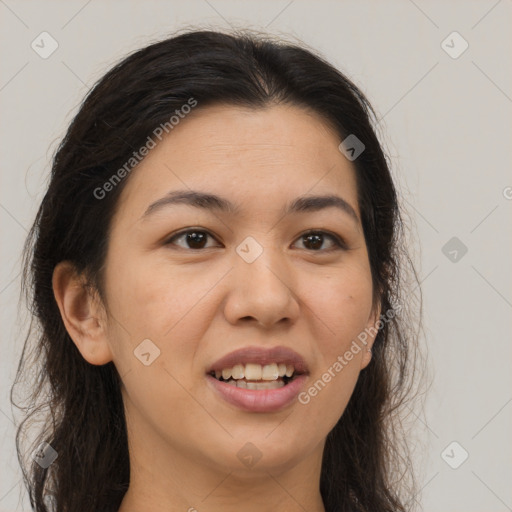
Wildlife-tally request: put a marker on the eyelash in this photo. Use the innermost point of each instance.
(338, 241)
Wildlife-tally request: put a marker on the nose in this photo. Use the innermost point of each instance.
(261, 291)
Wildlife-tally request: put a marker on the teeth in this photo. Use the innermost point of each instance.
(265, 385)
(256, 385)
(238, 371)
(270, 372)
(252, 371)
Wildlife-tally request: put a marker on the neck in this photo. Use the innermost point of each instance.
(163, 482)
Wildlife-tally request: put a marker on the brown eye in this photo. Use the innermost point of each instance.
(313, 241)
(194, 238)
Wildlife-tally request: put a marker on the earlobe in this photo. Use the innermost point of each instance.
(82, 314)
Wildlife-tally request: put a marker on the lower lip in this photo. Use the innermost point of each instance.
(259, 400)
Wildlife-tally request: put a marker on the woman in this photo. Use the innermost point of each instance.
(216, 269)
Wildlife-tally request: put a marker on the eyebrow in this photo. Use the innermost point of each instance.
(208, 201)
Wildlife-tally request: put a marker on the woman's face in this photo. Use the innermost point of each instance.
(244, 279)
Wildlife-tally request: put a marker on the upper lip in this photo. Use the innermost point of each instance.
(260, 355)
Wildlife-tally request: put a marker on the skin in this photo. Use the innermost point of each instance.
(197, 305)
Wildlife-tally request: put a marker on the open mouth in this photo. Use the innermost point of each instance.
(254, 376)
(257, 384)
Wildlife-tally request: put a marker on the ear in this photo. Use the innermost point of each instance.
(371, 331)
(82, 313)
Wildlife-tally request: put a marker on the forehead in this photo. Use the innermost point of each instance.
(263, 154)
(273, 131)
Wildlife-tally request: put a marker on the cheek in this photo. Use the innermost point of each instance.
(344, 307)
(152, 298)
(343, 304)
(163, 303)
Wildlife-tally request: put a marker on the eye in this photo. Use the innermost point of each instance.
(196, 240)
(194, 237)
(315, 240)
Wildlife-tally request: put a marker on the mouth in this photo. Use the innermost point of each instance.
(259, 380)
(256, 376)
(256, 365)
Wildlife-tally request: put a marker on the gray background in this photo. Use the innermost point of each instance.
(446, 124)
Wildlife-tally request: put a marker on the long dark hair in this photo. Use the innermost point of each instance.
(366, 464)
